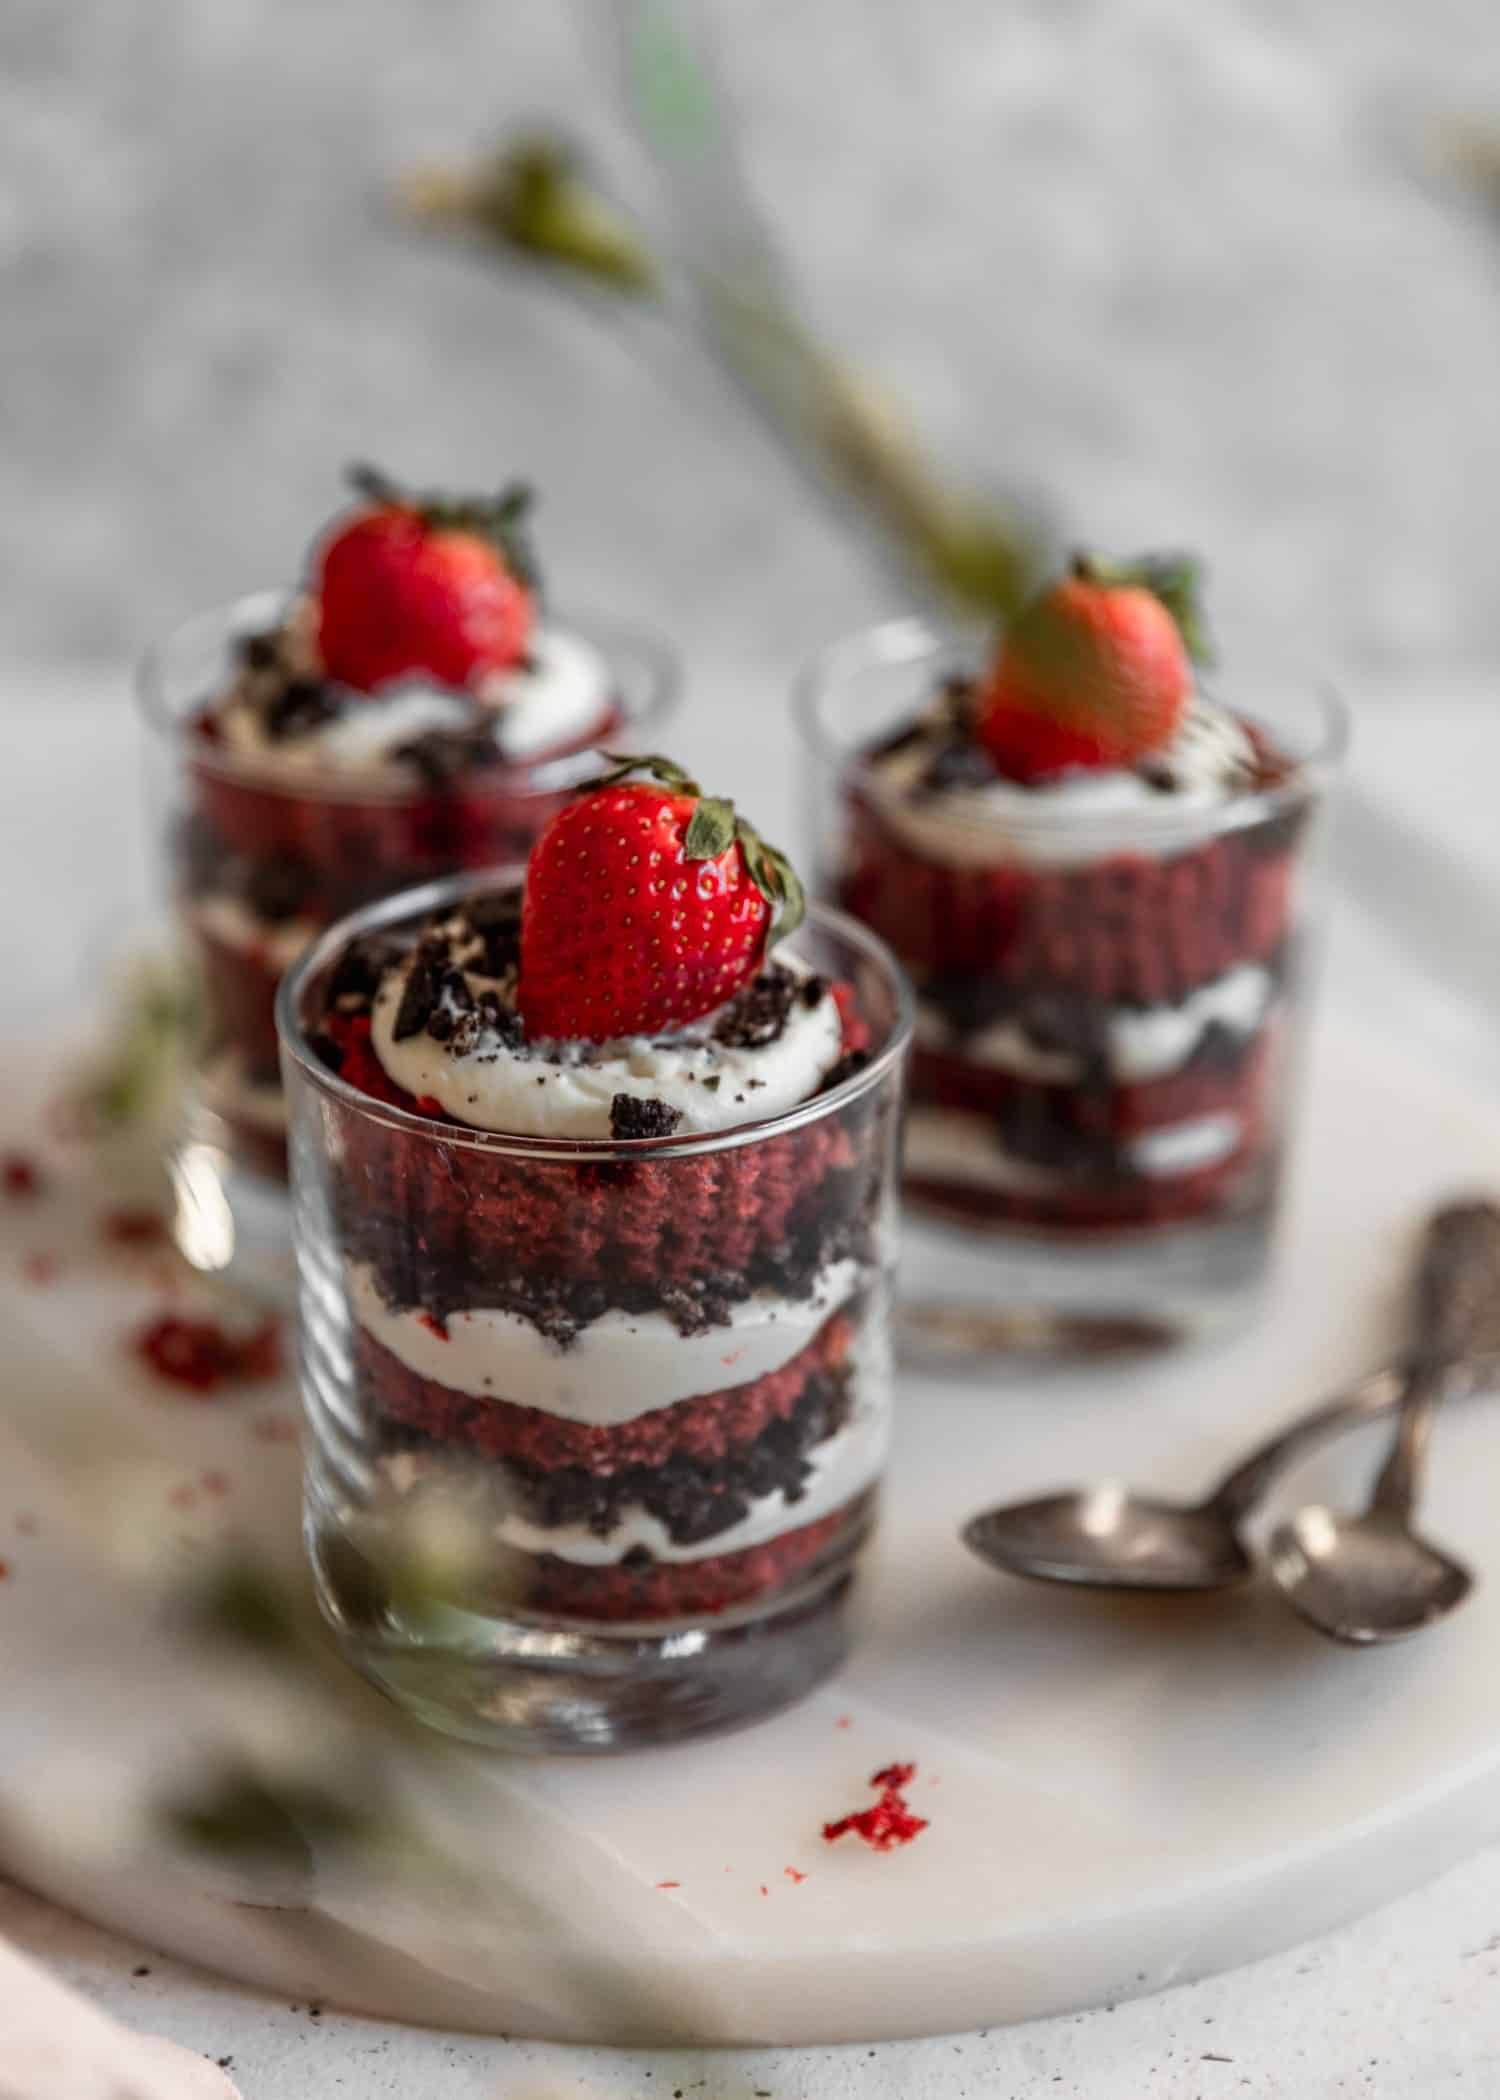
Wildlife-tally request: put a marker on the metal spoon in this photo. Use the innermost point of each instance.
(1106, 1537)
(1369, 1578)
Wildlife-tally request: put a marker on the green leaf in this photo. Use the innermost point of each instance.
(711, 829)
(501, 519)
(776, 879)
(1173, 578)
(622, 765)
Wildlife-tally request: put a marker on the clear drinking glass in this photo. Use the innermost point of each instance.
(256, 867)
(1108, 1007)
(595, 1428)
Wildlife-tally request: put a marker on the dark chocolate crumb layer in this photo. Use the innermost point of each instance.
(694, 1500)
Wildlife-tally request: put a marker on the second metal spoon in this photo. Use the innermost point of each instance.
(1372, 1577)
(1107, 1537)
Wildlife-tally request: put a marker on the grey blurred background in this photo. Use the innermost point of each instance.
(1176, 262)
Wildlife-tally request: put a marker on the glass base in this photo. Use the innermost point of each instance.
(231, 1219)
(973, 1296)
(548, 1687)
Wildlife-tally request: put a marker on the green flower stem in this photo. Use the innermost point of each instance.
(532, 201)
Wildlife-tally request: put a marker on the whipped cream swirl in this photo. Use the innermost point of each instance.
(1076, 816)
(734, 1066)
(557, 700)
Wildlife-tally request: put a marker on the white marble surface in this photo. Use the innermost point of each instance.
(1121, 1796)
(1402, 2005)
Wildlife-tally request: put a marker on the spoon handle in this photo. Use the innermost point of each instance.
(1456, 1314)
(1238, 1492)
(1456, 1288)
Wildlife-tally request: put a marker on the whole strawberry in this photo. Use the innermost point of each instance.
(647, 905)
(424, 587)
(1096, 671)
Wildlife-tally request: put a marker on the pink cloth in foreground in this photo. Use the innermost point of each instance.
(54, 2045)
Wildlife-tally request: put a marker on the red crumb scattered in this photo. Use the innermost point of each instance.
(433, 1325)
(259, 1354)
(669, 1884)
(890, 1822)
(764, 1890)
(41, 1268)
(134, 1228)
(215, 1483)
(4, 1569)
(202, 1356)
(844, 1721)
(274, 1429)
(856, 1029)
(20, 1175)
(183, 1496)
(358, 1063)
(27, 1524)
(792, 1875)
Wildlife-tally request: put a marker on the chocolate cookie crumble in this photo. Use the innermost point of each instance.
(637, 1116)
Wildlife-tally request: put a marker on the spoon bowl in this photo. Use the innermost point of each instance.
(1105, 1537)
(1365, 1579)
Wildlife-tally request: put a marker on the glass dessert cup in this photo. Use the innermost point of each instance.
(595, 1427)
(1109, 1002)
(257, 865)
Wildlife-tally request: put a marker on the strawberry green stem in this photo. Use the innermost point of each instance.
(713, 828)
(1173, 578)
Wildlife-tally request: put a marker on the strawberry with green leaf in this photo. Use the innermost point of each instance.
(423, 586)
(647, 905)
(1097, 670)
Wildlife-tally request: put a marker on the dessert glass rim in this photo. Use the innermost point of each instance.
(452, 889)
(909, 640)
(613, 637)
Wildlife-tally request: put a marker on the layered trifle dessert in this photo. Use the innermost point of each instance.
(593, 1176)
(1090, 865)
(411, 710)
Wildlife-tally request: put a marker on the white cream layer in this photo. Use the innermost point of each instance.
(841, 1468)
(275, 944)
(558, 700)
(620, 1366)
(1078, 817)
(951, 1144)
(564, 1090)
(1143, 1043)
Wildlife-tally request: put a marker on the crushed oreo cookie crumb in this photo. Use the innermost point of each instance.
(757, 1014)
(851, 1062)
(813, 991)
(637, 1116)
(259, 652)
(442, 756)
(358, 973)
(454, 1003)
(303, 704)
(483, 1019)
(958, 763)
(496, 922)
(420, 997)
